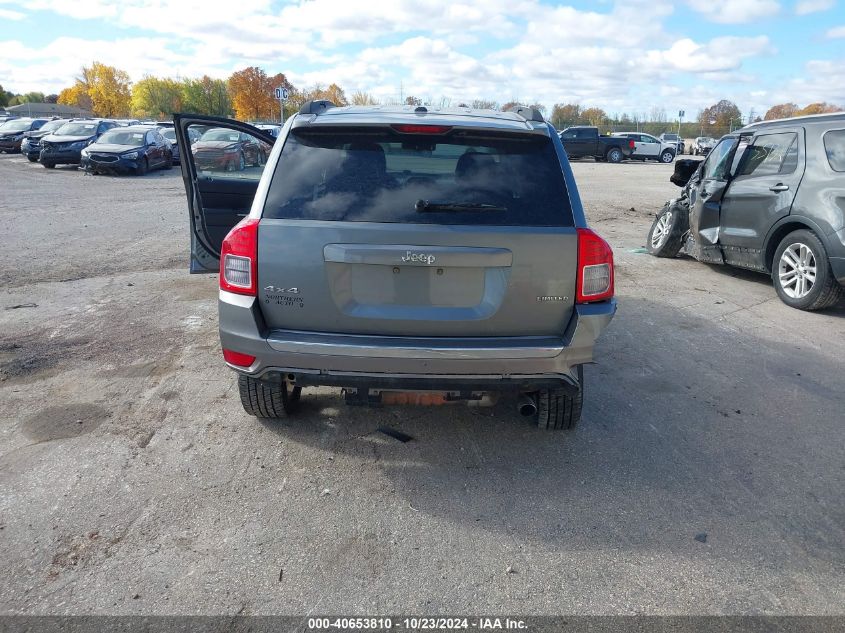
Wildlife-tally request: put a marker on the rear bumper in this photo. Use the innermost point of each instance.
(346, 360)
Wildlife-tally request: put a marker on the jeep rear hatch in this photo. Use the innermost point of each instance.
(415, 230)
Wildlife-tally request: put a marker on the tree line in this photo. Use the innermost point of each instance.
(248, 95)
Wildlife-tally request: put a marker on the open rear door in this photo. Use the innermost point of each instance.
(222, 161)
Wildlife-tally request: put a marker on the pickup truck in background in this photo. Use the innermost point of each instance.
(580, 141)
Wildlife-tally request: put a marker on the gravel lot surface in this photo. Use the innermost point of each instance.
(707, 476)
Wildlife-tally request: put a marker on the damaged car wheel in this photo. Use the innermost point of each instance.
(666, 235)
(267, 399)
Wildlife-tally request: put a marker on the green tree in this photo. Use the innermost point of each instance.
(206, 96)
(4, 97)
(31, 97)
(156, 98)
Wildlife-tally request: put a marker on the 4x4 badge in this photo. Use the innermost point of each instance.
(293, 291)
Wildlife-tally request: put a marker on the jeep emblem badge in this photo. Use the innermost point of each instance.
(418, 257)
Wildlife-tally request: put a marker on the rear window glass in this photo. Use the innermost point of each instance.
(383, 176)
(834, 146)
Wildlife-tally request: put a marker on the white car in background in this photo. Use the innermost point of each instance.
(648, 147)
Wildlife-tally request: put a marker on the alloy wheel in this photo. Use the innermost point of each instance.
(797, 271)
(661, 230)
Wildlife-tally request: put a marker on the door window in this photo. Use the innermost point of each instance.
(716, 165)
(226, 153)
(834, 147)
(769, 155)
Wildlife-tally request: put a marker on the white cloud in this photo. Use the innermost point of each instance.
(803, 7)
(836, 32)
(735, 11)
(8, 14)
(718, 55)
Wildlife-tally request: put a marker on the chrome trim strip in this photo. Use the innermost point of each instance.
(297, 342)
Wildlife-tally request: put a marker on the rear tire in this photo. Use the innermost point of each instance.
(557, 410)
(614, 155)
(803, 279)
(268, 400)
(666, 235)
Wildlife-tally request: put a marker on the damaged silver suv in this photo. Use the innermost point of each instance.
(407, 255)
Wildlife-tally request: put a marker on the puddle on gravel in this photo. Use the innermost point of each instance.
(55, 423)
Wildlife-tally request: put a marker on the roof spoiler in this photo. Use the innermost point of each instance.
(527, 113)
(316, 106)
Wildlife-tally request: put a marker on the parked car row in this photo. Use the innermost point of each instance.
(126, 145)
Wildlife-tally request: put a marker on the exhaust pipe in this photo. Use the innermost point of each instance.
(526, 405)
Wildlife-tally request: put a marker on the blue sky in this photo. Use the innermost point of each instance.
(624, 56)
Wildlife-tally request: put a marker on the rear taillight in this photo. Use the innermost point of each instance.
(238, 258)
(595, 268)
(238, 358)
(631, 143)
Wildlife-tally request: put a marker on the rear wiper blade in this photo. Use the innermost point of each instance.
(428, 205)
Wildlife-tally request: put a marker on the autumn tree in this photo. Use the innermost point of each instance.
(76, 96)
(363, 98)
(781, 111)
(724, 114)
(253, 93)
(156, 98)
(565, 114)
(818, 108)
(206, 96)
(594, 116)
(413, 101)
(333, 93)
(109, 89)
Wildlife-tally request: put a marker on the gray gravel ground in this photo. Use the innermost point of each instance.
(706, 477)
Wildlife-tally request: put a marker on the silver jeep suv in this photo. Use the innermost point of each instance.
(408, 255)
